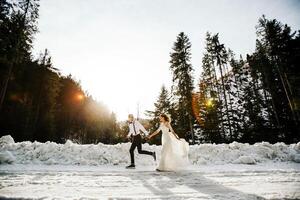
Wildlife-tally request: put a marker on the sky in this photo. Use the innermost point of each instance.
(120, 49)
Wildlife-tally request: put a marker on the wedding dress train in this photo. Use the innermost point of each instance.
(174, 153)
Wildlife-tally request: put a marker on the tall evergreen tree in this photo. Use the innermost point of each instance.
(277, 53)
(235, 91)
(219, 56)
(37, 103)
(209, 106)
(211, 99)
(45, 90)
(18, 28)
(182, 85)
(163, 105)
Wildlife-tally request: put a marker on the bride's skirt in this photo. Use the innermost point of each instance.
(174, 153)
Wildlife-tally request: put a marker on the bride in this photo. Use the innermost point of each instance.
(174, 153)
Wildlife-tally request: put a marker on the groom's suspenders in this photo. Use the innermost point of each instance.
(134, 128)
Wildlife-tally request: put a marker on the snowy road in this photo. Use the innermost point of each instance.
(114, 182)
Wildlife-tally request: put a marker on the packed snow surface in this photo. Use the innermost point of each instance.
(33, 170)
(70, 153)
(207, 182)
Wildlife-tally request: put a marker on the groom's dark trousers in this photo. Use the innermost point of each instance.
(137, 142)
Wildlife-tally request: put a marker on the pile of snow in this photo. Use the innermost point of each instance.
(6, 157)
(71, 153)
(239, 153)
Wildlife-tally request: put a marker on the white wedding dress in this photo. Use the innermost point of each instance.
(174, 153)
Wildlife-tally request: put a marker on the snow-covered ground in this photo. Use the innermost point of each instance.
(228, 182)
(72, 171)
(50, 153)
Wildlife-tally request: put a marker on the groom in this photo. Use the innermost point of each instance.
(134, 131)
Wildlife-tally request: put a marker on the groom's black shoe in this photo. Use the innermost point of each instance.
(132, 166)
(154, 155)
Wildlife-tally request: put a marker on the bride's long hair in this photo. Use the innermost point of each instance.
(166, 117)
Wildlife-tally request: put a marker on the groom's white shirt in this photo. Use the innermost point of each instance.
(137, 127)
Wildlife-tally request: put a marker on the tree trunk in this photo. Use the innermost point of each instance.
(224, 93)
(5, 85)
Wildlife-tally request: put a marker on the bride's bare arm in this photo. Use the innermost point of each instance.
(153, 134)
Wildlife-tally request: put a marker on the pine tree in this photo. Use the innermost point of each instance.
(235, 91)
(219, 57)
(163, 105)
(37, 103)
(209, 116)
(275, 61)
(20, 27)
(209, 100)
(253, 111)
(46, 89)
(182, 85)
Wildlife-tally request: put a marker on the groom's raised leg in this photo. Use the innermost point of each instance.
(143, 151)
(139, 147)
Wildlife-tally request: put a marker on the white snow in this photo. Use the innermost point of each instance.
(72, 171)
(70, 153)
(6, 157)
(207, 182)
(244, 160)
(6, 139)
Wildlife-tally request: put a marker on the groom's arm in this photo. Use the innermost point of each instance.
(130, 132)
(142, 128)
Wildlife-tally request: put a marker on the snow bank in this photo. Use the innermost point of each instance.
(75, 154)
(6, 157)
